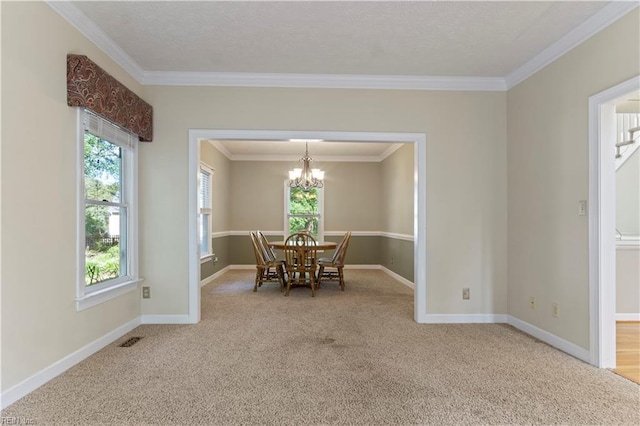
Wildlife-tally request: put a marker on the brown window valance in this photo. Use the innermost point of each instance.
(91, 87)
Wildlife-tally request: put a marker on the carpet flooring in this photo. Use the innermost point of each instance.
(349, 358)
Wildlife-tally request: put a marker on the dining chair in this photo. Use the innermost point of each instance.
(264, 265)
(271, 252)
(300, 261)
(335, 263)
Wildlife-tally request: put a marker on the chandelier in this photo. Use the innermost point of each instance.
(306, 177)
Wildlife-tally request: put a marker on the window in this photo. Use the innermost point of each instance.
(204, 210)
(108, 187)
(304, 211)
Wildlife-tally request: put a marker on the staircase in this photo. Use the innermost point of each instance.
(628, 139)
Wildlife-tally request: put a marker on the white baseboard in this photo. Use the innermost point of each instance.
(214, 276)
(551, 339)
(164, 319)
(465, 318)
(627, 317)
(30, 384)
(400, 278)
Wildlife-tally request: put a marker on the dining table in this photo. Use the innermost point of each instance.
(320, 245)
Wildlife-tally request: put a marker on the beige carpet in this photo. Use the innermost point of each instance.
(353, 357)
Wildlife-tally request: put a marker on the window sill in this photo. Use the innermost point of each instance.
(205, 259)
(97, 297)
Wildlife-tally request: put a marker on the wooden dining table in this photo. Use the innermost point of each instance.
(320, 245)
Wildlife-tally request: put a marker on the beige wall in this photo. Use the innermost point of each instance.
(397, 191)
(466, 166)
(352, 198)
(40, 323)
(548, 175)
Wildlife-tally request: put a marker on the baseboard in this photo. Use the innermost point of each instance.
(465, 318)
(551, 339)
(242, 266)
(627, 317)
(214, 276)
(164, 319)
(27, 386)
(400, 278)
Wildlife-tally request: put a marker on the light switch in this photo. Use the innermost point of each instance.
(582, 208)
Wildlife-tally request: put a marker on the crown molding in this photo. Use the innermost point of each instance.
(605, 17)
(90, 30)
(324, 81)
(590, 27)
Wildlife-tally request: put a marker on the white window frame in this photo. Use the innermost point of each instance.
(88, 296)
(204, 167)
(320, 214)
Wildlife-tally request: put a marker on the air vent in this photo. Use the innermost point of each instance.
(130, 342)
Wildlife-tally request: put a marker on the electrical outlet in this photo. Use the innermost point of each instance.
(532, 302)
(146, 292)
(392, 260)
(555, 309)
(466, 294)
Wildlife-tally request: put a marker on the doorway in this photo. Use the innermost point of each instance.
(602, 222)
(419, 197)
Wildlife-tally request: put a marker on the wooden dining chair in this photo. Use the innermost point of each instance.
(267, 269)
(334, 264)
(300, 261)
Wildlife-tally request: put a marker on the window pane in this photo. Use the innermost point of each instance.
(205, 240)
(204, 192)
(105, 243)
(310, 224)
(102, 169)
(303, 202)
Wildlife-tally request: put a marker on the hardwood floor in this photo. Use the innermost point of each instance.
(628, 350)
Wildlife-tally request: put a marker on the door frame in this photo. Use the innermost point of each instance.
(602, 219)
(419, 141)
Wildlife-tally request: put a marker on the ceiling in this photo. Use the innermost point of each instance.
(472, 45)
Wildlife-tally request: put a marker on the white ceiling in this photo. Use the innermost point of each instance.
(473, 45)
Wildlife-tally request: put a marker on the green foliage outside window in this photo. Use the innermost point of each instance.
(102, 168)
(303, 210)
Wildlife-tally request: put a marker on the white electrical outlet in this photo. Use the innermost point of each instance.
(466, 294)
(532, 302)
(582, 208)
(555, 309)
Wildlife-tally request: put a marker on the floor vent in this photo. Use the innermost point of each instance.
(130, 342)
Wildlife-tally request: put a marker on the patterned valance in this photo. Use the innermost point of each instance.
(91, 87)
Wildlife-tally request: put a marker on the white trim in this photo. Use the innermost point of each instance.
(605, 17)
(632, 245)
(108, 293)
(419, 195)
(242, 267)
(627, 317)
(86, 296)
(551, 339)
(406, 237)
(165, 319)
(326, 81)
(208, 279)
(215, 275)
(602, 268)
(220, 147)
(400, 278)
(221, 234)
(466, 318)
(90, 30)
(194, 243)
(591, 26)
(30, 384)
